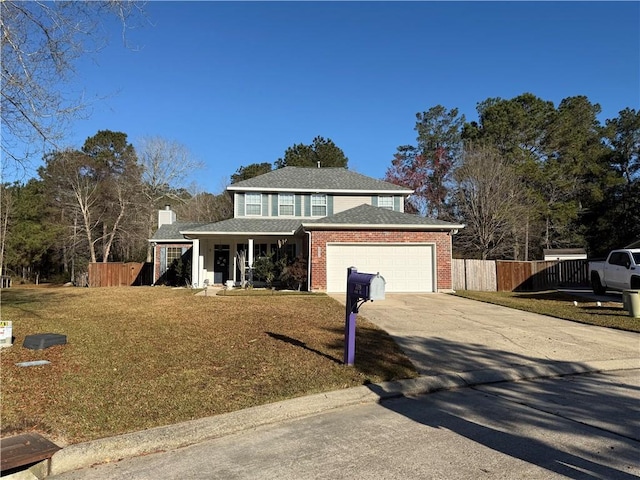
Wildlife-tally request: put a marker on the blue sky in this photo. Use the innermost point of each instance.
(239, 82)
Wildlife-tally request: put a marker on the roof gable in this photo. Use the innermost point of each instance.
(316, 180)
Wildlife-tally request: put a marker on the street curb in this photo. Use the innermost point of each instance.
(183, 434)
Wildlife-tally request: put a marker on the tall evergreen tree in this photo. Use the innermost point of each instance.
(31, 236)
(250, 171)
(322, 151)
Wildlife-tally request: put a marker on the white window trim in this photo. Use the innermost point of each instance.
(246, 204)
(317, 196)
(386, 197)
(282, 204)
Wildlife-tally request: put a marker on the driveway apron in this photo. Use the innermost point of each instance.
(442, 333)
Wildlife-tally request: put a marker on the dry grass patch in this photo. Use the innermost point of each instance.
(142, 357)
(561, 305)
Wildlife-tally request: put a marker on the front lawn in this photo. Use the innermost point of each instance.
(561, 305)
(142, 357)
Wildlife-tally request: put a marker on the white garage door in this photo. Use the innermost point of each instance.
(405, 267)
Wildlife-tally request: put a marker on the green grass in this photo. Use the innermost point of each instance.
(142, 357)
(561, 305)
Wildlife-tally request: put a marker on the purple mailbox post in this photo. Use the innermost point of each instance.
(361, 287)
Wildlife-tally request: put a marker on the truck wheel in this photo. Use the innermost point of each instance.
(597, 287)
(635, 283)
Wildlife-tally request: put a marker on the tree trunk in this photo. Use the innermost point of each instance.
(526, 240)
(116, 224)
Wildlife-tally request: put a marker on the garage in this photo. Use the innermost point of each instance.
(406, 267)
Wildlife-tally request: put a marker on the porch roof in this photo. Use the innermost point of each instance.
(171, 232)
(249, 226)
(370, 217)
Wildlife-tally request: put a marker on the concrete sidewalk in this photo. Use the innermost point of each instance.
(453, 342)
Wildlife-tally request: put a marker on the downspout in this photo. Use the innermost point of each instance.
(309, 262)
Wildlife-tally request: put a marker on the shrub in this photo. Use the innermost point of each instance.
(265, 269)
(295, 275)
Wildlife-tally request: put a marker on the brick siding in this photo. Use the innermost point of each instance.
(157, 256)
(319, 240)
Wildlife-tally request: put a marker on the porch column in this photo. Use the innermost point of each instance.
(250, 257)
(195, 264)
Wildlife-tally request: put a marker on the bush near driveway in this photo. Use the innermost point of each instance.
(141, 357)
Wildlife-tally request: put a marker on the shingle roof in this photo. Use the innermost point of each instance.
(171, 232)
(368, 216)
(315, 180)
(246, 225)
(363, 216)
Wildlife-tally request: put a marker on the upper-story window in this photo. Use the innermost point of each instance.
(385, 202)
(286, 204)
(253, 204)
(319, 205)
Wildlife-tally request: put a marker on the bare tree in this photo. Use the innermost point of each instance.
(123, 193)
(206, 207)
(489, 199)
(69, 176)
(40, 43)
(100, 184)
(165, 166)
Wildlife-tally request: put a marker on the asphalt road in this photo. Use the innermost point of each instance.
(580, 427)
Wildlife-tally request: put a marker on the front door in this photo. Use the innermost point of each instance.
(221, 264)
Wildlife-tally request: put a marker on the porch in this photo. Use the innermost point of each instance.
(218, 259)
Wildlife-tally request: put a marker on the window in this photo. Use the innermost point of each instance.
(385, 202)
(173, 253)
(286, 204)
(259, 250)
(290, 251)
(620, 258)
(253, 204)
(319, 205)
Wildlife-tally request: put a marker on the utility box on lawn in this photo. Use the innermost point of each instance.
(41, 341)
(6, 333)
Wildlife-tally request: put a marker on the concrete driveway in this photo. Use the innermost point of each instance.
(443, 333)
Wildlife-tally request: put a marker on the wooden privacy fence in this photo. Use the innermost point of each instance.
(514, 276)
(119, 274)
(479, 275)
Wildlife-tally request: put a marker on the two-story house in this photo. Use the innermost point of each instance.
(334, 217)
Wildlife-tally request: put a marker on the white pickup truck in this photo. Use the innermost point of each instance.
(620, 271)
